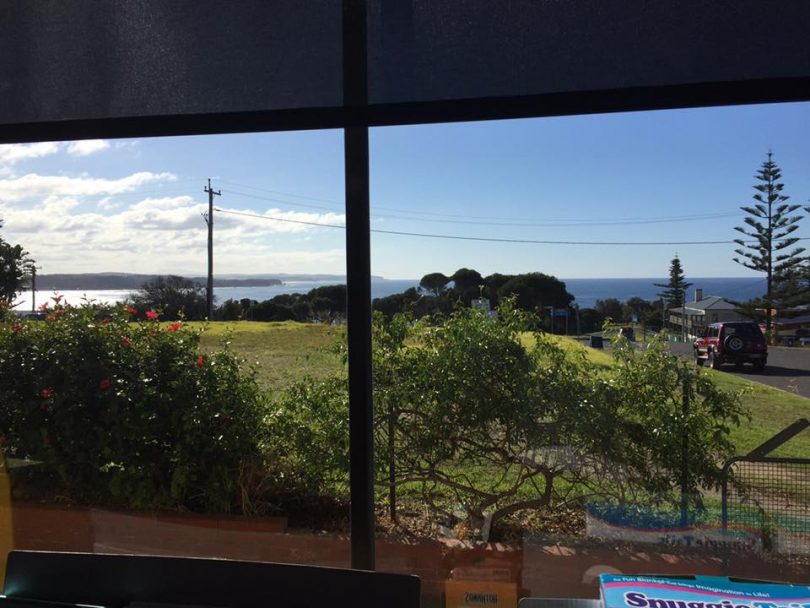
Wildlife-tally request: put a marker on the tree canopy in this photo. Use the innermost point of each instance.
(674, 293)
(14, 265)
(770, 223)
(174, 297)
(535, 290)
(543, 422)
(435, 283)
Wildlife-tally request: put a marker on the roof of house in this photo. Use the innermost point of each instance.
(709, 303)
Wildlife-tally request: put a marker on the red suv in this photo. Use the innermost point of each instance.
(735, 342)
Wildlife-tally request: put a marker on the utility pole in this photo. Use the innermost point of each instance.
(209, 219)
(33, 288)
(33, 269)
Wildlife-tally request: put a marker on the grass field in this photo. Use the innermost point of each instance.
(771, 409)
(285, 352)
(281, 352)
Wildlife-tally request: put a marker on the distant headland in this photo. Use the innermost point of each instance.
(123, 280)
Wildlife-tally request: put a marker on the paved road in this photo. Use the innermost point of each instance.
(788, 368)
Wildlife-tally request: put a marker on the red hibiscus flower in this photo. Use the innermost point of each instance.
(151, 315)
(126, 341)
(131, 310)
(200, 361)
(104, 384)
(174, 327)
(17, 328)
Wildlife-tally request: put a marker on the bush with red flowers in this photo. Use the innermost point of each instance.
(128, 411)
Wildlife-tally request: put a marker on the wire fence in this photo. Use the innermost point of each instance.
(769, 498)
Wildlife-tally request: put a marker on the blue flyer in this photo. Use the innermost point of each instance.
(621, 591)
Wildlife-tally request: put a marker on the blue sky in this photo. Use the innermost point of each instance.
(134, 205)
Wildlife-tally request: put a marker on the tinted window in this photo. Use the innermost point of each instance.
(747, 330)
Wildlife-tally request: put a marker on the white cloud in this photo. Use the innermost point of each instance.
(13, 153)
(107, 203)
(59, 204)
(32, 185)
(286, 222)
(163, 235)
(87, 147)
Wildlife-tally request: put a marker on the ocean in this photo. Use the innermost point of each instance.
(586, 291)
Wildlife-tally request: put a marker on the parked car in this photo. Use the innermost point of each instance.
(735, 342)
(628, 333)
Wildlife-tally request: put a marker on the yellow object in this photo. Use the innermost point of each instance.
(6, 529)
(479, 594)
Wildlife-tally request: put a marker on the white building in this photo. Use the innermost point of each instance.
(702, 312)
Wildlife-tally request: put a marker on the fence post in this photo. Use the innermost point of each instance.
(392, 488)
(687, 382)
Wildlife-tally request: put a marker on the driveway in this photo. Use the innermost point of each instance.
(788, 368)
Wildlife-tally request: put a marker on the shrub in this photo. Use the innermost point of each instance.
(308, 450)
(175, 297)
(474, 412)
(270, 311)
(126, 409)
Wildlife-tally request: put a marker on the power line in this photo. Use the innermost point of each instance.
(476, 238)
(499, 222)
(278, 200)
(466, 219)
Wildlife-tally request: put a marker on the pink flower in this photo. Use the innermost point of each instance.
(104, 384)
(151, 315)
(44, 306)
(131, 310)
(17, 328)
(126, 341)
(200, 361)
(174, 327)
(47, 393)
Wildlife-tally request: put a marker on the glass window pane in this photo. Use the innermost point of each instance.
(128, 422)
(532, 374)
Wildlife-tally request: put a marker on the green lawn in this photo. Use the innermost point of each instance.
(281, 352)
(771, 409)
(284, 352)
